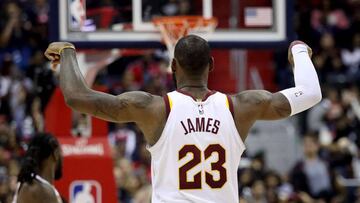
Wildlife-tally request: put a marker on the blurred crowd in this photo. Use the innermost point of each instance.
(26, 83)
(329, 170)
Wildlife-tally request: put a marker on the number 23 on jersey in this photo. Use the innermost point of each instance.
(196, 153)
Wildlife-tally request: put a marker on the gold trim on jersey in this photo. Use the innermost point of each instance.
(227, 103)
(170, 102)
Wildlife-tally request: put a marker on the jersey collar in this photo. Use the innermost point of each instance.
(208, 94)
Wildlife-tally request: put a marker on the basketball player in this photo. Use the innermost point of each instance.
(195, 135)
(41, 166)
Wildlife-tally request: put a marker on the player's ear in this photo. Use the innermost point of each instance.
(56, 155)
(211, 64)
(173, 65)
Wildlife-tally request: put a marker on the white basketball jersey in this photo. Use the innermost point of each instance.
(198, 154)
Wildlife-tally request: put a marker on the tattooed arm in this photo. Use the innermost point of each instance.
(105, 106)
(139, 107)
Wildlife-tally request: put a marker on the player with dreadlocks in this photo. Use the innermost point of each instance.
(42, 165)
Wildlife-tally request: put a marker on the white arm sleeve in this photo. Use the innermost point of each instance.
(306, 92)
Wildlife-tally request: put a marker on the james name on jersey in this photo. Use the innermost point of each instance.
(200, 124)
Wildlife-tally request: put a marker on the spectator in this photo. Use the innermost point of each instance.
(272, 183)
(16, 29)
(123, 139)
(258, 193)
(311, 174)
(351, 57)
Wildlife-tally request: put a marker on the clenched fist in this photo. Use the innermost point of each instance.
(290, 56)
(54, 50)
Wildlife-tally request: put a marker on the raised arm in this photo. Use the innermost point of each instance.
(138, 107)
(262, 105)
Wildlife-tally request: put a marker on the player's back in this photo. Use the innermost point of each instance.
(197, 156)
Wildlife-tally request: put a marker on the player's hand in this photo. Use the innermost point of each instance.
(54, 50)
(290, 56)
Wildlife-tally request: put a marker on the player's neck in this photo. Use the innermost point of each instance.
(194, 90)
(192, 85)
(197, 87)
(197, 91)
(48, 174)
(191, 81)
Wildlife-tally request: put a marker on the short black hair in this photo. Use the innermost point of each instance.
(40, 148)
(193, 54)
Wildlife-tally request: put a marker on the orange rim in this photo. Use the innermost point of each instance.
(192, 21)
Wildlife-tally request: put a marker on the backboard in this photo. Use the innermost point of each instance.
(128, 23)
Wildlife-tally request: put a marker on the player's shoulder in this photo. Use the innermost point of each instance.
(36, 192)
(35, 186)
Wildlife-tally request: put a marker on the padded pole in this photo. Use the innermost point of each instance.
(207, 9)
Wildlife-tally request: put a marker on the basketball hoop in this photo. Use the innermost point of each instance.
(172, 28)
